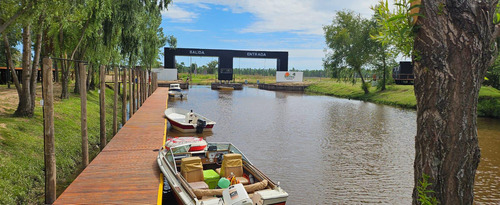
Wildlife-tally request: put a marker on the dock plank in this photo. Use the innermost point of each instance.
(125, 172)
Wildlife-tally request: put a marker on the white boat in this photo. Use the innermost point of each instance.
(195, 177)
(197, 143)
(188, 121)
(176, 91)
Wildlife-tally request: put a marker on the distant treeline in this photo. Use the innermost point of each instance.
(272, 72)
(211, 68)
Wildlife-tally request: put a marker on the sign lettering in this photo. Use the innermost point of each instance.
(197, 52)
(256, 54)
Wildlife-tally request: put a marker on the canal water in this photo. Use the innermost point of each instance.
(327, 150)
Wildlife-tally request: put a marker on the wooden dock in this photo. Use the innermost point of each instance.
(126, 171)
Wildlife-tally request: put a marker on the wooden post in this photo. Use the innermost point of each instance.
(139, 87)
(130, 106)
(136, 91)
(141, 92)
(146, 82)
(115, 101)
(134, 95)
(48, 133)
(156, 81)
(83, 103)
(152, 83)
(143, 87)
(102, 106)
(124, 97)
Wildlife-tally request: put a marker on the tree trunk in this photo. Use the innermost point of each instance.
(24, 106)
(358, 70)
(91, 78)
(385, 68)
(64, 78)
(77, 79)
(36, 63)
(11, 65)
(452, 53)
(64, 67)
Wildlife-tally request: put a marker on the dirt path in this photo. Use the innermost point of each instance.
(9, 98)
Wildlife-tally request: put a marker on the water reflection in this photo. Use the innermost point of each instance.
(487, 184)
(326, 150)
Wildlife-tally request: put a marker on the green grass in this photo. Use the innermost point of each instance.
(489, 102)
(21, 147)
(400, 95)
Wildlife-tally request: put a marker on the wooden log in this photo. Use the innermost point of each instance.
(131, 111)
(143, 86)
(102, 106)
(83, 108)
(115, 101)
(147, 83)
(124, 97)
(134, 94)
(139, 89)
(48, 132)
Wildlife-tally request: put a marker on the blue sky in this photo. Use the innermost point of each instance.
(270, 25)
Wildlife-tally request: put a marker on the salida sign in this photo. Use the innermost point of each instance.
(194, 52)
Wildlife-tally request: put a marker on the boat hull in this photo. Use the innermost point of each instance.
(263, 192)
(188, 128)
(176, 118)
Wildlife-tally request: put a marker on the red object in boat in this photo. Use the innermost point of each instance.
(197, 143)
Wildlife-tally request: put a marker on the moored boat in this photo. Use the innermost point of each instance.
(197, 143)
(188, 121)
(176, 91)
(202, 177)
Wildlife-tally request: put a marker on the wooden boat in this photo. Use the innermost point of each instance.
(188, 121)
(197, 143)
(176, 91)
(194, 177)
(225, 88)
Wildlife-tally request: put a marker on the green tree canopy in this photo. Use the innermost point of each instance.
(348, 38)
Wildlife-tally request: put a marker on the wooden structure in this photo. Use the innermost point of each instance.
(126, 171)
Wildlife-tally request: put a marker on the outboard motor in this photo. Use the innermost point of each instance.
(200, 125)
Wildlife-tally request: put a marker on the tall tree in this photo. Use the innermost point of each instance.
(451, 52)
(24, 106)
(348, 37)
(212, 66)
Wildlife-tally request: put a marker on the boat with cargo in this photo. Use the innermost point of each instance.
(187, 121)
(219, 174)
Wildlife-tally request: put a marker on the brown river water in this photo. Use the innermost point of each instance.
(327, 150)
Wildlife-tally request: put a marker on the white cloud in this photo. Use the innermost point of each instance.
(296, 16)
(178, 14)
(189, 29)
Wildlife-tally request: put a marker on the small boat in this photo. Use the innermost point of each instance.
(188, 121)
(225, 88)
(218, 175)
(176, 91)
(197, 143)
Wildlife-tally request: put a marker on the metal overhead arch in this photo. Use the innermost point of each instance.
(225, 58)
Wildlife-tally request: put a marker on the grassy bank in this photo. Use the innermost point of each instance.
(21, 146)
(400, 95)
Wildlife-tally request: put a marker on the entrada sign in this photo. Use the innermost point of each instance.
(256, 54)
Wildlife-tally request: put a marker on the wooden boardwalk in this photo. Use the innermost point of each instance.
(126, 172)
